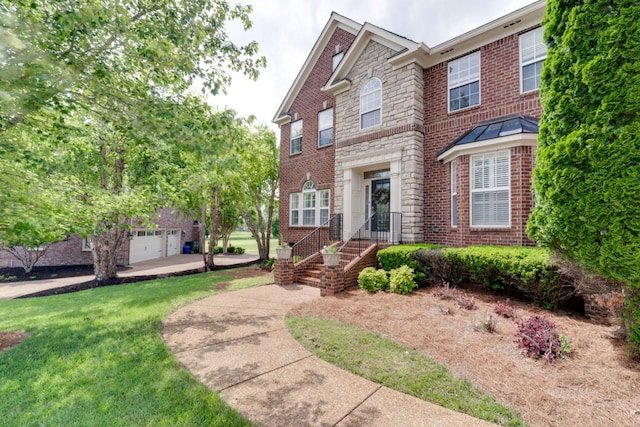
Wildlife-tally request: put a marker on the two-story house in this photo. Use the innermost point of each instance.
(438, 143)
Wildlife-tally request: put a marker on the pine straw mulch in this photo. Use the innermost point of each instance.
(597, 386)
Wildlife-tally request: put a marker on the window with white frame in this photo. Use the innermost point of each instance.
(454, 195)
(490, 192)
(336, 60)
(309, 208)
(533, 52)
(464, 82)
(325, 127)
(371, 104)
(296, 137)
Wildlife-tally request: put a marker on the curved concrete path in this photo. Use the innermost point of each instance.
(237, 343)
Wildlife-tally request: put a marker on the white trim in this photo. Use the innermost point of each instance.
(335, 21)
(454, 192)
(494, 144)
(291, 137)
(368, 32)
(317, 206)
(497, 29)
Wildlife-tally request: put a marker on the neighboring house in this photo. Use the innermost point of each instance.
(143, 244)
(446, 136)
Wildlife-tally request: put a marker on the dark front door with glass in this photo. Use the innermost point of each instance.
(380, 204)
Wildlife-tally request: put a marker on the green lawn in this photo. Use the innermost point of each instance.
(96, 358)
(386, 362)
(244, 240)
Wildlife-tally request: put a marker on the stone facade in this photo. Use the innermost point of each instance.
(396, 144)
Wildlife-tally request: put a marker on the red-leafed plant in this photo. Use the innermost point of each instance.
(539, 338)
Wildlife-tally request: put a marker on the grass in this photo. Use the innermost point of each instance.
(381, 360)
(245, 240)
(96, 358)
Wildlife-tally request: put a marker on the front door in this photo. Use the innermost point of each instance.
(380, 204)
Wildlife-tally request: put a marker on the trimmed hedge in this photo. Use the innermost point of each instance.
(396, 256)
(502, 268)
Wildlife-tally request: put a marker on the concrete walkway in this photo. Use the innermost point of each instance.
(237, 343)
(172, 264)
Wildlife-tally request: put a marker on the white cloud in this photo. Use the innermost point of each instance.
(287, 31)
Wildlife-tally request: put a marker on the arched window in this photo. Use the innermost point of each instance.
(310, 207)
(371, 103)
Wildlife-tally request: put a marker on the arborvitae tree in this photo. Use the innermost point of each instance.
(587, 177)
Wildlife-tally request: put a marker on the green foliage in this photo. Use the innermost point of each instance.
(631, 320)
(399, 255)
(372, 280)
(587, 176)
(401, 280)
(438, 268)
(526, 269)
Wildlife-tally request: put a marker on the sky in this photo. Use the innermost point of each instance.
(287, 30)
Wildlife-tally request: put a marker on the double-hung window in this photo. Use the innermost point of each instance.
(533, 52)
(490, 194)
(325, 127)
(454, 195)
(464, 82)
(371, 104)
(296, 137)
(310, 208)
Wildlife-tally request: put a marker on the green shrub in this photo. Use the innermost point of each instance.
(526, 269)
(217, 250)
(436, 268)
(238, 250)
(401, 280)
(631, 321)
(372, 280)
(397, 256)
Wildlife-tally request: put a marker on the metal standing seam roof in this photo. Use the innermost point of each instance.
(496, 128)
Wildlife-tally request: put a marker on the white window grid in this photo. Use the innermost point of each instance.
(296, 137)
(325, 127)
(464, 82)
(454, 195)
(533, 52)
(371, 104)
(490, 201)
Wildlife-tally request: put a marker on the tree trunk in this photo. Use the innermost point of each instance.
(213, 219)
(105, 247)
(202, 236)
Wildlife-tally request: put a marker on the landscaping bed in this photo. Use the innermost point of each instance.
(597, 385)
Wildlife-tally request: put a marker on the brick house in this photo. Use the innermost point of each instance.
(166, 238)
(444, 136)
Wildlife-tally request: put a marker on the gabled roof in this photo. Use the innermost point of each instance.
(338, 82)
(493, 131)
(335, 21)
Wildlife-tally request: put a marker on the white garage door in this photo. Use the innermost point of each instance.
(173, 242)
(145, 245)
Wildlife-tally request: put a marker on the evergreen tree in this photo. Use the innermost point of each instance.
(587, 176)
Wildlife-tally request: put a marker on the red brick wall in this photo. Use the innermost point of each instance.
(318, 161)
(500, 96)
